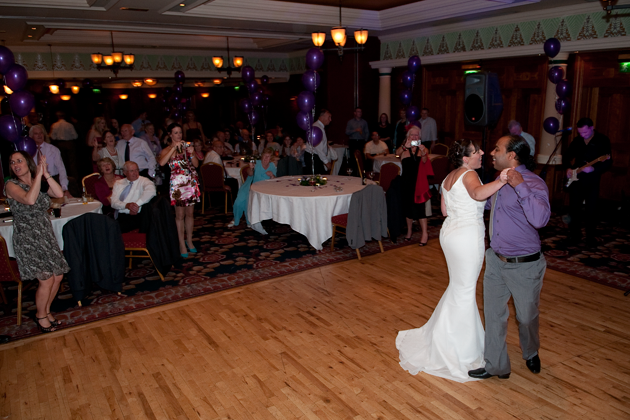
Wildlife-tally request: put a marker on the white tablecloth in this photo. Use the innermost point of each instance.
(235, 171)
(382, 160)
(306, 211)
(68, 212)
(341, 151)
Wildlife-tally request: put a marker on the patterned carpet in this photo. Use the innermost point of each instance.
(230, 258)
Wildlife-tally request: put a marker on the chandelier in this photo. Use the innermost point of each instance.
(338, 34)
(115, 62)
(218, 61)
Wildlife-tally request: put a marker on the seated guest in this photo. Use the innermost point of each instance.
(109, 151)
(129, 195)
(105, 184)
(285, 150)
(198, 147)
(56, 168)
(214, 156)
(136, 150)
(228, 149)
(152, 140)
(261, 170)
(297, 150)
(268, 142)
(374, 148)
(247, 146)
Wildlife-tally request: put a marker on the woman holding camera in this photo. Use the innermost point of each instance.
(185, 192)
(36, 249)
(413, 154)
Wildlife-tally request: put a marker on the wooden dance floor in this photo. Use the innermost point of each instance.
(319, 345)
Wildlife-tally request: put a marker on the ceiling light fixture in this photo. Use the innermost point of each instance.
(75, 89)
(65, 97)
(54, 89)
(217, 81)
(152, 95)
(123, 96)
(205, 95)
(338, 34)
(115, 62)
(609, 7)
(136, 83)
(150, 82)
(7, 90)
(218, 61)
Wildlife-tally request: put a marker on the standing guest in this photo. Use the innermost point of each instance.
(451, 342)
(429, 129)
(515, 267)
(115, 128)
(386, 131)
(399, 130)
(104, 186)
(129, 195)
(357, 131)
(247, 146)
(515, 129)
(64, 137)
(318, 155)
(53, 158)
(133, 149)
(414, 156)
(109, 151)
(152, 140)
(164, 132)
(36, 249)
(95, 135)
(193, 129)
(586, 147)
(216, 156)
(184, 186)
(139, 123)
(268, 142)
(261, 170)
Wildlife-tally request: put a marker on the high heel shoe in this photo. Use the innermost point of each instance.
(193, 250)
(55, 322)
(45, 329)
(184, 255)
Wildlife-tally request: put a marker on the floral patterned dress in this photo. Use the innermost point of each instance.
(184, 181)
(36, 249)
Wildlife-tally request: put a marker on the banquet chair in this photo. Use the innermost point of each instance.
(88, 183)
(213, 178)
(389, 171)
(244, 173)
(441, 168)
(358, 155)
(439, 149)
(9, 273)
(136, 241)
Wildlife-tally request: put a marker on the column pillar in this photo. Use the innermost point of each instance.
(385, 92)
(548, 141)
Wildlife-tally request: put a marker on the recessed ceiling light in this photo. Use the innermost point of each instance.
(30, 36)
(182, 4)
(33, 28)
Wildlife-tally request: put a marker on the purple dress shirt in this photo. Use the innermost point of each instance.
(518, 214)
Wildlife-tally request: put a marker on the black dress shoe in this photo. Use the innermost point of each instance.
(481, 373)
(4, 339)
(533, 364)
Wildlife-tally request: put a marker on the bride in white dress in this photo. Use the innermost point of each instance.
(451, 342)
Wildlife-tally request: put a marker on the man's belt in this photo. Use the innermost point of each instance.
(524, 259)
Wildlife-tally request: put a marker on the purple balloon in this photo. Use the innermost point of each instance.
(26, 144)
(254, 117)
(10, 127)
(551, 125)
(563, 89)
(316, 136)
(87, 83)
(264, 79)
(16, 77)
(314, 58)
(311, 80)
(555, 74)
(176, 98)
(266, 99)
(247, 73)
(6, 59)
(22, 103)
(256, 98)
(413, 113)
(246, 106)
(304, 120)
(180, 77)
(552, 47)
(176, 114)
(407, 79)
(405, 97)
(306, 101)
(413, 64)
(252, 86)
(167, 92)
(178, 88)
(183, 106)
(562, 105)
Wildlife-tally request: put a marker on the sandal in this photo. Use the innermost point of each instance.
(55, 322)
(45, 329)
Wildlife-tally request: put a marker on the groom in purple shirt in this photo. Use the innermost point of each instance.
(515, 266)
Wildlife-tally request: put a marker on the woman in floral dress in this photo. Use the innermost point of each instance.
(184, 185)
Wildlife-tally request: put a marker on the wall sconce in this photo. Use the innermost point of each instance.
(136, 83)
(54, 89)
(75, 89)
(152, 95)
(205, 95)
(150, 82)
(65, 97)
(123, 96)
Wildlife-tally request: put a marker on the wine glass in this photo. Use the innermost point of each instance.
(349, 171)
(370, 174)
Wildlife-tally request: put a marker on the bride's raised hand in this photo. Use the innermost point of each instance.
(504, 176)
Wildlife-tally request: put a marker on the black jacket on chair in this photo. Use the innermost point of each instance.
(162, 239)
(95, 252)
(395, 215)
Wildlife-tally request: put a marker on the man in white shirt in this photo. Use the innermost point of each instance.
(64, 137)
(429, 129)
(514, 127)
(129, 195)
(214, 156)
(56, 168)
(318, 155)
(133, 149)
(374, 148)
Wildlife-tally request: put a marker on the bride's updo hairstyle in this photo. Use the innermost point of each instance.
(459, 149)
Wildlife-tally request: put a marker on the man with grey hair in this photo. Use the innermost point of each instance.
(136, 150)
(515, 129)
(129, 195)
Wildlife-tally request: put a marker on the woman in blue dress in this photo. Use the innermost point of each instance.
(261, 170)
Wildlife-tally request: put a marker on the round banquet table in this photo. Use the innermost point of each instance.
(306, 209)
(69, 211)
(382, 160)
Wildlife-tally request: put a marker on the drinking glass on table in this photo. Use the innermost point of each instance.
(349, 171)
(370, 174)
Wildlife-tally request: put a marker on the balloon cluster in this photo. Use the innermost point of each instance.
(563, 88)
(306, 98)
(175, 103)
(408, 81)
(20, 101)
(258, 99)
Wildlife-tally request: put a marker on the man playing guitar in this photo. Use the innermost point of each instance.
(589, 147)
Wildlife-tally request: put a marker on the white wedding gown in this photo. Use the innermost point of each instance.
(451, 342)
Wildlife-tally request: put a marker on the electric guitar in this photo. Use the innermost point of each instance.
(575, 172)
